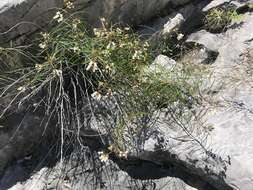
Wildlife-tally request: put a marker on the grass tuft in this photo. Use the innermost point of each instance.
(218, 19)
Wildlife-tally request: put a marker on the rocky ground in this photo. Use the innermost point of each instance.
(214, 154)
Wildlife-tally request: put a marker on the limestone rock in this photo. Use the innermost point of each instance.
(21, 18)
(162, 62)
(221, 160)
(173, 24)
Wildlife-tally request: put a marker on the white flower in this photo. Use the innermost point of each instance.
(146, 44)
(58, 16)
(45, 35)
(92, 65)
(76, 22)
(43, 45)
(38, 67)
(103, 156)
(122, 45)
(96, 95)
(180, 36)
(119, 31)
(57, 72)
(111, 148)
(123, 154)
(35, 104)
(21, 88)
(69, 5)
(111, 46)
(98, 32)
(137, 55)
(102, 19)
(76, 49)
(108, 69)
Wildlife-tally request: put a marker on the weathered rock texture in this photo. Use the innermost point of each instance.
(221, 160)
(20, 18)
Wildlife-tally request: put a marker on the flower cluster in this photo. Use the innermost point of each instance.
(58, 17)
(93, 66)
(57, 72)
(69, 4)
(104, 155)
(75, 23)
(46, 38)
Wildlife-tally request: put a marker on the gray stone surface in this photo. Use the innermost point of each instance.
(199, 55)
(209, 40)
(162, 62)
(21, 18)
(230, 140)
(232, 118)
(220, 159)
(233, 121)
(173, 24)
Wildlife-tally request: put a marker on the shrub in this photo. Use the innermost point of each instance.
(77, 69)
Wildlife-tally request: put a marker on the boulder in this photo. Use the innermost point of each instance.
(21, 18)
(215, 155)
(173, 24)
(162, 63)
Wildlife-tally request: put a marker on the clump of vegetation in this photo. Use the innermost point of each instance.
(218, 19)
(171, 45)
(250, 5)
(77, 70)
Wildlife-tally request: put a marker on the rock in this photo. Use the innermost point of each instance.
(24, 130)
(227, 161)
(207, 39)
(198, 55)
(219, 3)
(173, 24)
(182, 20)
(215, 3)
(220, 159)
(21, 18)
(174, 15)
(162, 62)
(232, 83)
(169, 29)
(109, 177)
